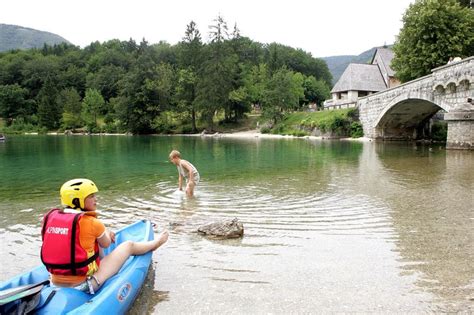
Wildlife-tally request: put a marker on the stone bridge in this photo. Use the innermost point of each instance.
(402, 112)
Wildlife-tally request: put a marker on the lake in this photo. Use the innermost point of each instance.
(330, 226)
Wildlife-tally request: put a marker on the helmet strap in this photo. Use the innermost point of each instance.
(76, 203)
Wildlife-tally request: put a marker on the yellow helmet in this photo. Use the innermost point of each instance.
(74, 192)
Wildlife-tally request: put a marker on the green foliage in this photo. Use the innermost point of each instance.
(14, 103)
(265, 130)
(217, 73)
(282, 93)
(92, 104)
(338, 122)
(278, 56)
(106, 80)
(240, 102)
(49, 109)
(315, 91)
(356, 130)
(71, 101)
(432, 32)
(131, 85)
(439, 131)
(254, 81)
(20, 126)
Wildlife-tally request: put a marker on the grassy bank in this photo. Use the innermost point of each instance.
(334, 123)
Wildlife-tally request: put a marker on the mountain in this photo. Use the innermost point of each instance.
(18, 37)
(337, 64)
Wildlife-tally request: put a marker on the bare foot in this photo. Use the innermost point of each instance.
(162, 238)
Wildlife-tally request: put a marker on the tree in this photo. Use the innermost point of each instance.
(163, 52)
(189, 53)
(278, 55)
(71, 100)
(283, 93)
(106, 80)
(240, 102)
(134, 107)
(12, 65)
(219, 31)
(315, 91)
(432, 32)
(159, 91)
(14, 103)
(255, 82)
(216, 74)
(49, 109)
(37, 70)
(186, 94)
(189, 60)
(91, 106)
(75, 77)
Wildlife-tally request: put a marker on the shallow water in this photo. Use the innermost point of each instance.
(329, 226)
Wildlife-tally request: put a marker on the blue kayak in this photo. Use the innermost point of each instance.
(114, 297)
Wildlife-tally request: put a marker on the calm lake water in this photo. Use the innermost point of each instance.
(330, 226)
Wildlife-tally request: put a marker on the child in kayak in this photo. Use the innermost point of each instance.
(185, 170)
(73, 237)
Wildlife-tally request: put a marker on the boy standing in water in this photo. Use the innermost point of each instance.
(186, 170)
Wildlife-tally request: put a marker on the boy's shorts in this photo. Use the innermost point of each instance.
(197, 178)
(85, 286)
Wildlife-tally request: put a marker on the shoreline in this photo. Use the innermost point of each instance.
(248, 134)
(245, 135)
(252, 134)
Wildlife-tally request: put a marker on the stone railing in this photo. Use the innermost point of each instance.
(331, 104)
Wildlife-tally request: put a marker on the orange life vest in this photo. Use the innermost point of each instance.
(61, 252)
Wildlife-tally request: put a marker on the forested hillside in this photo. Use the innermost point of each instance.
(337, 64)
(120, 86)
(17, 37)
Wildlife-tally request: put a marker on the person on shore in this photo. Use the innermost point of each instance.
(185, 170)
(79, 264)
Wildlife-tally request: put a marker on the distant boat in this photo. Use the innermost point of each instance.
(2, 137)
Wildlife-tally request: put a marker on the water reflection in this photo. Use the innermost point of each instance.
(431, 202)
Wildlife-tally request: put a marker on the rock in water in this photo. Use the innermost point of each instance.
(223, 229)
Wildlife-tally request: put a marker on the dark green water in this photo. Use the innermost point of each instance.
(329, 226)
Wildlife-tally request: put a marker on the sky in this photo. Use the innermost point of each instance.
(320, 27)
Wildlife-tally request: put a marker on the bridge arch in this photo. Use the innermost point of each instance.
(405, 118)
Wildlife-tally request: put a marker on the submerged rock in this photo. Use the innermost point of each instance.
(223, 229)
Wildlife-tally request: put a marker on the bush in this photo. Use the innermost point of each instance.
(110, 128)
(18, 126)
(439, 131)
(265, 130)
(356, 130)
(339, 125)
(338, 122)
(353, 114)
(165, 122)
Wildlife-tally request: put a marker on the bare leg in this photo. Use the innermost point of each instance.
(190, 189)
(112, 263)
